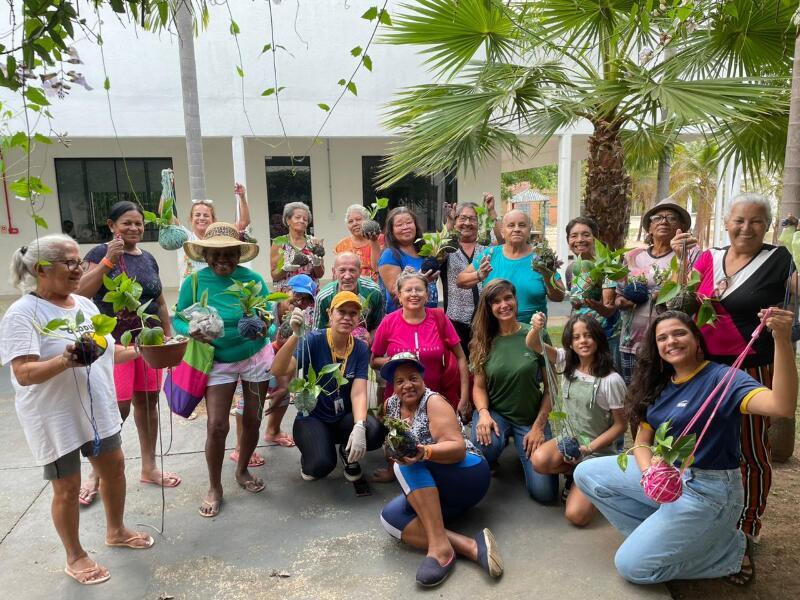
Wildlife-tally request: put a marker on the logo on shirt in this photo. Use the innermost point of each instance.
(682, 404)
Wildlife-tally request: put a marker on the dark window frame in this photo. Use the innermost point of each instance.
(287, 162)
(99, 234)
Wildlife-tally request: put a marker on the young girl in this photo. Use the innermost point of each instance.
(594, 396)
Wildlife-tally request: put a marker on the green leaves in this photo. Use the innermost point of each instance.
(123, 293)
(324, 106)
(126, 338)
(55, 325)
(367, 62)
(622, 460)
(103, 324)
(356, 51)
(351, 87)
(36, 95)
(371, 13)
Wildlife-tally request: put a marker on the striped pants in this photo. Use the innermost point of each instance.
(755, 460)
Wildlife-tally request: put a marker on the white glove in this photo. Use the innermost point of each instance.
(297, 322)
(316, 261)
(290, 268)
(357, 443)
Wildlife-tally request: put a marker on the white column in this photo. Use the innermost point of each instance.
(565, 208)
(239, 169)
(729, 187)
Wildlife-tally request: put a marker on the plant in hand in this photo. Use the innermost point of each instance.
(399, 442)
(682, 295)
(636, 289)
(435, 248)
(370, 228)
(607, 265)
(308, 389)
(255, 311)
(545, 259)
(485, 226)
(170, 236)
(89, 341)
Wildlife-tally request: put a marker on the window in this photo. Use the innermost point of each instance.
(424, 195)
(89, 187)
(288, 180)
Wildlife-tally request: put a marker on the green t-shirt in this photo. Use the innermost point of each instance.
(513, 379)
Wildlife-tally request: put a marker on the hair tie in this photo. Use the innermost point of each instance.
(23, 250)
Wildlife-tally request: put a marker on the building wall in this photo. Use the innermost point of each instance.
(332, 189)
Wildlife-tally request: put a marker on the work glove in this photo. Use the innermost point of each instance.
(357, 443)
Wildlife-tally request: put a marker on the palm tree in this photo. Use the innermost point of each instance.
(640, 75)
(694, 174)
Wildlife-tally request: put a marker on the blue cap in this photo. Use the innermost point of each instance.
(303, 284)
(403, 358)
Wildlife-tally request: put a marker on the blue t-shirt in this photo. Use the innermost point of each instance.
(313, 349)
(679, 402)
(531, 290)
(398, 258)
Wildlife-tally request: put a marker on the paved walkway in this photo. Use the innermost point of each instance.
(329, 543)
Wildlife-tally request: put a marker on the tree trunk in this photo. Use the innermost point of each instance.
(608, 186)
(662, 179)
(783, 430)
(191, 105)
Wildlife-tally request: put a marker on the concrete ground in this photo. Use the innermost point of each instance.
(294, 540)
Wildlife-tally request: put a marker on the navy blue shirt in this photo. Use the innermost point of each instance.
(313, 349)
(679, 402)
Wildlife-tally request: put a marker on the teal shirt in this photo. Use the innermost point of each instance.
(231, 347)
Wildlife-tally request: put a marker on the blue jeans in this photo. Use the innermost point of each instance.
(694, 537)
(542, 488)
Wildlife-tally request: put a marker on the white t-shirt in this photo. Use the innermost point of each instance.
(55, 415)
(610, 392)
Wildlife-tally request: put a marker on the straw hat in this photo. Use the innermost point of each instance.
(220, 235)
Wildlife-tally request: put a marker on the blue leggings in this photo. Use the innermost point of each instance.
(461, 486)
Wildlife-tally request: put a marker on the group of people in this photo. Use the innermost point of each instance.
(464, 379)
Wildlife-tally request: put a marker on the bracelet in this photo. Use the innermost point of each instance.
(107, 263)
(427, 452)
(480, 409)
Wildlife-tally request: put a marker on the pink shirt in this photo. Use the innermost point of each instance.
(395, 335)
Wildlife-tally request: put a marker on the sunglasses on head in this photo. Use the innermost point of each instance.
(209, 202)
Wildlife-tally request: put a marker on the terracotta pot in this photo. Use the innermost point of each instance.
(164, 357)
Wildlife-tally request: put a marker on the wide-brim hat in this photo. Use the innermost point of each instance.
(668, 204)
(403, 358)
(220, 235)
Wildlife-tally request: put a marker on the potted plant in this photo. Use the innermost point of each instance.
(435, 248)
(607, 265)
(370, 227)
(299, 260)
(307, 389)
(636, 289)
(545, 258)
(399, 442)
(256, 316)
(89, 344)
(485, 226)
(158, 351)
(662, 480)
(170, 236)
(680, 293)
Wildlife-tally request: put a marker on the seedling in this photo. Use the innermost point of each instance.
(682, 294)
(545, 258)
(435, 248)
(665, 447)
(170, 236)
(399, 442)
(123, 294)
(308, 389)
(370, 228)
(90, 342)
(256, 315)
(485, 226)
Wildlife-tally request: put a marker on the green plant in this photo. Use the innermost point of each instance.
(545, 258)
(485, 225)
(89, 344)
(606, 265)
(307, 389)
(665, 447)
(370, 227)
(251, 299)
(399, 442)
(435, 248)
(124, 295)
(166, 217)
(680, 293)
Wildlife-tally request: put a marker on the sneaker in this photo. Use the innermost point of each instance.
(306, 477)
(431, 573)
(352, 471)
(488, 555)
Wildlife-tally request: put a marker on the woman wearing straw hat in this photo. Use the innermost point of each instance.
(235, 356)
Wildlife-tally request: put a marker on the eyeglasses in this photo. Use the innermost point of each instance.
(74, 264)
(671, 219)
(462, 219)
(209, 202)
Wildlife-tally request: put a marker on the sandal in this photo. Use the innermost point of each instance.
(747, 572)
(84, 576)
(283, 439)
(209, 509)
(254, 485)
(139, 541)
(256, 460)
(168, 480)
(87, 496)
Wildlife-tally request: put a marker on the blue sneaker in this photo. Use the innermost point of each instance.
(488, 555)
(431, 573)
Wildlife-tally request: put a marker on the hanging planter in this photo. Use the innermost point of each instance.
(636, 290)
(256, 316)
(89, 345)
(370, 228)
(308, 389)
(399, 442)
(164, 356)
(680, 293)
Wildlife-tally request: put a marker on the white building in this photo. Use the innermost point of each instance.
(145, 102)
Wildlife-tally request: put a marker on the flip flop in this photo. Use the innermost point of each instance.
(76, 574)
(256, 460)
(213, 506)
(283, 439)
(86, 497)
(130, 542)
(168, 480)
(254, 485)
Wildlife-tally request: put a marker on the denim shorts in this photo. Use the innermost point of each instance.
(70, 463)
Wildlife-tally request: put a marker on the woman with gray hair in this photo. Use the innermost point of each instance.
(368, 248)
(742, 278)
(297, 252)
(64, 394)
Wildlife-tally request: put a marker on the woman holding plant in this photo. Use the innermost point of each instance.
(66, 408)
(296, 253)
(441, 474)
(366, 244)
(648, 270)
(512, 261)
(136, 382)
(741, 278)
(695, 536)
(239, 354)
(593, 405)
(507, 393)
(331, 400)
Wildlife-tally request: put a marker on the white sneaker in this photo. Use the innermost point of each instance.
(306, 477)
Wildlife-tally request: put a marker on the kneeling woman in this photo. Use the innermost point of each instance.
(695, 537)
(594, 397)
(443, 480)
(340, 416)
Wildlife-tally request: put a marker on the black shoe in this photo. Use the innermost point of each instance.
(352, 471)
(431, 573)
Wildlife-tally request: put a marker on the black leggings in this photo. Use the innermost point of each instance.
(317, 441)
